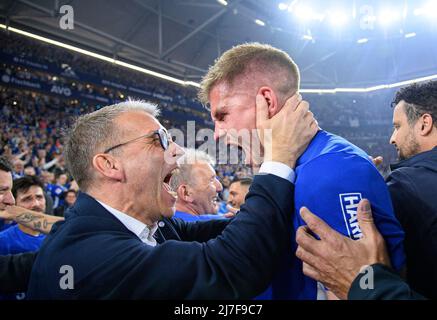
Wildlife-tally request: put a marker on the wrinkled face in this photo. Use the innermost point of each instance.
(237, 194)
(146, 167)
(32, 199)
(6, 197)
(205, 189)
(234, 115)
(403, 137)
(70, 198)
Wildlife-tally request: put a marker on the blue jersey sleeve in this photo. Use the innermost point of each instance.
(333, 184)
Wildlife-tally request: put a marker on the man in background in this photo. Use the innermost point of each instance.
(238, 190)
(6, 196)
(29, 194)
(197, 187)
(413, 181)
(70, 197)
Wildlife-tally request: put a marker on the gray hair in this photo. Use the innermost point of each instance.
(96, 131)
(184, 174)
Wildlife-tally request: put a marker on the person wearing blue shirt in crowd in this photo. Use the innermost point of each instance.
(332, 176)
(28, 192)
(197, 187)
(6, 197)
(58, 190)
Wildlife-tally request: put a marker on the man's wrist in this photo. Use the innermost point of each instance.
(284, 157)
(279, 169)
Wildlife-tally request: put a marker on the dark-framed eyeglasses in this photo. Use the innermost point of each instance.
(163, 135)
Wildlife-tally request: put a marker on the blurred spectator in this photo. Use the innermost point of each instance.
(69, 200)
(28, 193)
(237, 193)
(197, 187)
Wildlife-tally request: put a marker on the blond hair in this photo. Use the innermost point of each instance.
(273, 66)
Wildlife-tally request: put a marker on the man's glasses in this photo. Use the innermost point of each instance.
(163, 135)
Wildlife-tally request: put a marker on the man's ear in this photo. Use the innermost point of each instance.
(425, 124)
(184, 193)
(108, 166)
(271, 99)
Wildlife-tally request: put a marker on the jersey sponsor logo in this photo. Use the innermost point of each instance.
(349, 206)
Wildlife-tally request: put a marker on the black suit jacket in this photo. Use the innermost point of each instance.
(387, 285)
(412, 185)
(15, 272)
(191, 261)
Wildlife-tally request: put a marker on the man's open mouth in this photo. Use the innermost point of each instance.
(166, 183)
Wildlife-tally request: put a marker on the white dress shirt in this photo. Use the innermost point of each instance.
(141, 230)
(278, 169)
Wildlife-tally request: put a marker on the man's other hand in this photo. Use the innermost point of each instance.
(336, 260)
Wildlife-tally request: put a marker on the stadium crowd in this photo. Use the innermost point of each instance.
(34, 141)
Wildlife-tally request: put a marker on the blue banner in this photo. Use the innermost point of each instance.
(67, 72)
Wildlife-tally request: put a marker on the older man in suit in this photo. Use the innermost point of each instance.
(118, 240)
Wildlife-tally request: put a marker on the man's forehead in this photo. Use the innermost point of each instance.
(32, 190)
(224, 91)
(205, 168)
(5, 179)
(235, 186)
(399, 110)
(137, 121)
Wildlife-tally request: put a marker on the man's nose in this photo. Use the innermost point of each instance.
(175, 151)
(392, 138)
(37, 204)
(218, 185)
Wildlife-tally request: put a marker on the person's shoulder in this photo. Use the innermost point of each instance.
(404, 174)
(338, 163)
(7, 233)
(403, 181)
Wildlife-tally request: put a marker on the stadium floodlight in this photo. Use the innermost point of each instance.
(370, 89)
(410, 35)
(363, 40)
(307, 37)
(195, 84)
(306, 13)
(260, 22)
(337, 18)
(99, 56)
(429, 9)
(223, 2)
(283, 6)
(388, 16)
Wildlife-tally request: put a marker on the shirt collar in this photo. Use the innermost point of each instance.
(141, 230)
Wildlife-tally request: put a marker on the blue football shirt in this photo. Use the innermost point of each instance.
(13, 240)
(332, 176)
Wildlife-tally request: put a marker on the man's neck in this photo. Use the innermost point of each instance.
(187, 208)
(428, 145)
(29, 231)
(124, 204)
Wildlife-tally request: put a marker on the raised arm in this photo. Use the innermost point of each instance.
(31, 219)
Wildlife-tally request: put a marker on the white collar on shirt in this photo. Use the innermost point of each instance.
(141, 230)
